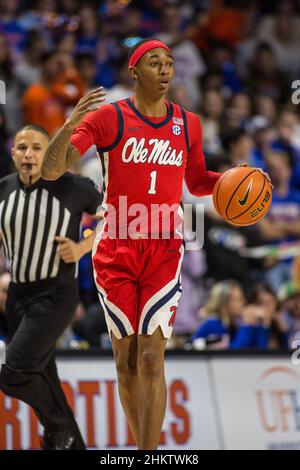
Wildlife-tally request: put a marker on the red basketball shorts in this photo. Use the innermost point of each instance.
(138, 282)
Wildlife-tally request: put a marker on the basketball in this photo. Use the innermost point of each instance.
(242, 196)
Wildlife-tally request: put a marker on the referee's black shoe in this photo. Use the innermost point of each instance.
(61, 440)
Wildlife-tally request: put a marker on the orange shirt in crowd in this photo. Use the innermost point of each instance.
(42, 107)
(47, 106)
(224, 25)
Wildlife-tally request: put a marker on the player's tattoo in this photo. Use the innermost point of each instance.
(72, 156)
(60, 155)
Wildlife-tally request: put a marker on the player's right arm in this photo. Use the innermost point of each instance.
(61, 154)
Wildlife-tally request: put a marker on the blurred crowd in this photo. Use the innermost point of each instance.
(237, 64)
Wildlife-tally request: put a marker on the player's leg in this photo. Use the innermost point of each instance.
(159, 293)
(119, 320)
(115, 270)
(153, 393)
(125, 354)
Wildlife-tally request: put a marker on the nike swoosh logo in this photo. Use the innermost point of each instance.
(243, 201)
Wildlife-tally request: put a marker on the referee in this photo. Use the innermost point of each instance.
(39, 228)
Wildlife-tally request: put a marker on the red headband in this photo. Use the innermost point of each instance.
(143, 48)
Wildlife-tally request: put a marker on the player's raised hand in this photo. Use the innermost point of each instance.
(89, 102)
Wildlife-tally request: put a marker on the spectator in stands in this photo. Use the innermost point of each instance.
(246, 48)
(263, 135)
(241, 106)
(238, 144)
(223, 244)
(12, 88)
(266, 298)
(213, 80)
(69, 7)
(218, 23)
(190, 66)
(89, 29)
(124, 87)
(5, 160)
(11, 27)
(222, 58)
(282, 30)
(238, 111)
(230, 323)
(45, 103)
(28, 69)
(265, 77)
(282, 223)
(151, 17)
(212, 112)
(67, 43)
(266, 107)
(288, 129)
(129, 24)
(87, 68)
(289, 296)
(193, 267)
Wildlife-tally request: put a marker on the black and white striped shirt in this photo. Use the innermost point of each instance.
(31, 218)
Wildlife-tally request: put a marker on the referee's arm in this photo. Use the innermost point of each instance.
(70, 251)
(60, 154)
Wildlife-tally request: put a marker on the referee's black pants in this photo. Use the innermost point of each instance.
(38, 313)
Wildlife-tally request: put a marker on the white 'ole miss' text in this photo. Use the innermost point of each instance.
(160, 153)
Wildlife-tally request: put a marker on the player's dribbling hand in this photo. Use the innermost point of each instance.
(260, 170)
(69, 251)
(89, 102)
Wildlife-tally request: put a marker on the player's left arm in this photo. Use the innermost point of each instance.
(199, 180)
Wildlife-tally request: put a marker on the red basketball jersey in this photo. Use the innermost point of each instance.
(144, 161)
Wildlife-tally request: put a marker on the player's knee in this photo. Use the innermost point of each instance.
(151, 363)
(126, 372)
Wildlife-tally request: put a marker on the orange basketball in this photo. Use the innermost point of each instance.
(242, 196)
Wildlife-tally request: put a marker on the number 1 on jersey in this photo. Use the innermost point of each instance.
(152, 189)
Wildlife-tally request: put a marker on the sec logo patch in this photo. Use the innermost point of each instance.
(176, 130)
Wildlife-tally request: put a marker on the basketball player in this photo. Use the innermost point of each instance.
(147, 146)
(39, 227)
